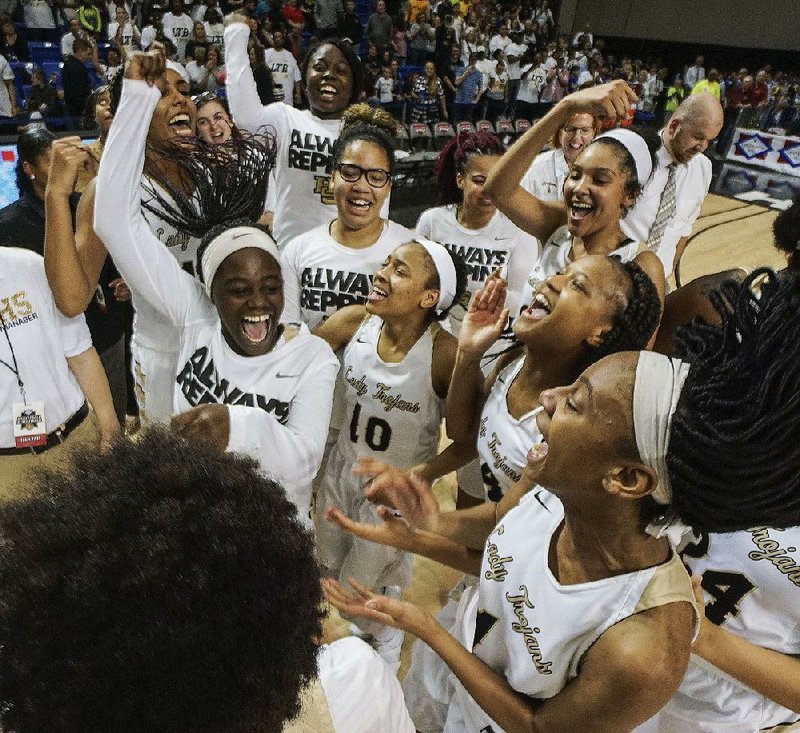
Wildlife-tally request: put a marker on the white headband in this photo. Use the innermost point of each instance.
(446, 270)
(638, 149)
(230, 241)
(656, 391)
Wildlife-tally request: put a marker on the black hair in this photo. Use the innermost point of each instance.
(215, 231)
(350, 56)
(226, 182)
(371, 124)
(158, 586)
(786, 230)
(734, 451)
(115, 87)
(89, 122)
(31, 144)
(633, 325)
(201, 100)
(461, 283)
(628, 165)
(454, 157)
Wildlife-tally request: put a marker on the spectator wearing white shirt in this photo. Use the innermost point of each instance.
(583, 37)
(695, 73)
(8, 96)
(150, 31)
(123, 33)
(500, 41)
(177, 26)
(695, 123)
(69, 37)
(286, 75)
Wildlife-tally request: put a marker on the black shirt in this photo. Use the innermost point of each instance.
(77, 87)
(22, 225)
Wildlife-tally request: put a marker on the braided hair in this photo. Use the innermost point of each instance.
(453, 160)
(786, 229)
(634, 324)
(371, 124)
(734, 452)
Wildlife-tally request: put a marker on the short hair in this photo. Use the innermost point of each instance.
(31, 144)
(81, 44)
(159, 586)
(734, 451)
(350, 56)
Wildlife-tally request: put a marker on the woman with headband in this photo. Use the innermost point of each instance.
(243, 382)
(396, 371)
(603, 184)
(675, 445)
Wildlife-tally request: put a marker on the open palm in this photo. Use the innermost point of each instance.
(485, 319)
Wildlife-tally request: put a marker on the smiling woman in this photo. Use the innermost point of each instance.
(242, 382)
(332, 76)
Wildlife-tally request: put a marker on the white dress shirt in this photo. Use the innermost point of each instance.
(692, 181)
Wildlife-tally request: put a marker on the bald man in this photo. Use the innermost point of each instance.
(664, 214)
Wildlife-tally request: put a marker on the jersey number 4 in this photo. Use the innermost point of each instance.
(377, 433)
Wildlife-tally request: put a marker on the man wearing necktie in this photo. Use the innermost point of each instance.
(665, 212)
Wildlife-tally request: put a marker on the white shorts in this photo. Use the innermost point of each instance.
(154, 382)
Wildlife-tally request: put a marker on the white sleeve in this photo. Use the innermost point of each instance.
(424, 228)
(521, 261)
(704, 171)
(292, 452)
(145, 264)
(291, 283)
(248, 112)
(295, 72)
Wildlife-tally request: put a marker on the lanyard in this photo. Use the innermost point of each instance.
(15, 368)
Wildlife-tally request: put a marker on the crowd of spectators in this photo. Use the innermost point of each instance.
(449, 60)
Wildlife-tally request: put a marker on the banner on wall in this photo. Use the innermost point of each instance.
(778, 153)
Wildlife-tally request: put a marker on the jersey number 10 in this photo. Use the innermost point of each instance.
(377, 434)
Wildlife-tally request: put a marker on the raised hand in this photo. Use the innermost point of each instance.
(485, 319)
(607, 101)
(363, 603)
(68, 159)
(148, 67)
(404, 491)
(394, 532)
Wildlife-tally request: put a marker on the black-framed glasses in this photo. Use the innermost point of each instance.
(376, 177)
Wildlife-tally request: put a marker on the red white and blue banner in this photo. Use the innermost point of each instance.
(765, 150)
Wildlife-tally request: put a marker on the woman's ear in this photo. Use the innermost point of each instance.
(630, 481)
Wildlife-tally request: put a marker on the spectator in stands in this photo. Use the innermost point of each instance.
(261, 73)
(379, 28)
(286, 77)
(497, 91)
(428, 97)
(40, 24)
(695, 73)
(675, 95)
(196, 70)
(199, 39)
(90, 18)
(177, 27)
(43, 96)
(582, 37)
(399, 40)
(99, 117)
(664, 214)
(709, 85)
(75, 79)
(422, 36)
(501, 40)
(467, 82)
(212, 74)
(294, 18)
(349, 24)
(12, 43)
(123, 33)
(215, 28)
(532, 82)
(326, 17)
(760, 95)
(8, 95)
(446, 39)
(75, 31)
(151, 31)
(113, 64)
(780, 117)
(557, 82)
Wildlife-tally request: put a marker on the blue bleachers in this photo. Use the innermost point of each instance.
(40, 51)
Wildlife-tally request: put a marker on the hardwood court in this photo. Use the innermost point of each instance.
(728, 233)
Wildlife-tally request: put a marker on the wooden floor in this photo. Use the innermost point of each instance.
(728, 233)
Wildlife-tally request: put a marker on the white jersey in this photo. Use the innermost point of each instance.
(531, 629)
(555, 257)
(285, 73)
(153, 346)
(278, 403)
(545, 178)
(498, 245)
(392, 411)
(127, 37)
(751, 583)
(305, 143)
(320, 276)
(504, 441)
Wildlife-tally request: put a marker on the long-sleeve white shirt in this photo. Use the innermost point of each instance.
(279, 403)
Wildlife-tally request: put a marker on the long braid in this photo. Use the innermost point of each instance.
(224, 182)
(734, 454)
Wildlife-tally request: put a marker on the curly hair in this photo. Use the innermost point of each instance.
(160, 586)
(626, 161)
(635, 322)
(371, 124)
(786, 230)
(454, 157)
(734, 451)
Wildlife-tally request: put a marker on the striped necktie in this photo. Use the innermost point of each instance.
(666, 210)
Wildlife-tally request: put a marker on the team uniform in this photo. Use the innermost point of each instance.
(555, 257)
(321, 276)
(545, 178)
(531, 629)
(305, 143)
(751, 583)
(279, 403)
(154, 350)
(392, 413)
